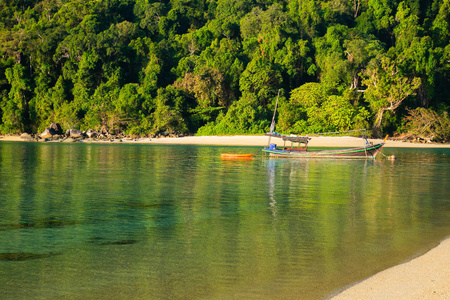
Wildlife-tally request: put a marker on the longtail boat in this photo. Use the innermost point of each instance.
(298, 148)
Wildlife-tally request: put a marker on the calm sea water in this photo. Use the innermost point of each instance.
(87, 221)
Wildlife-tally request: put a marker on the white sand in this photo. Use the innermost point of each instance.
(319, 141)
(425, 277)
(255, 140)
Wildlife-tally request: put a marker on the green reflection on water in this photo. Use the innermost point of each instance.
(178, 222)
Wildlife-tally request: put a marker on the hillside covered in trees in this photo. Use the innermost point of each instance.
(215, 67)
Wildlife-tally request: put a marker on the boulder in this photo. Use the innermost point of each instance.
(56, 128)
(74, 133)
(26, 136)
(91, 133)
(47, 133)
(104, 131)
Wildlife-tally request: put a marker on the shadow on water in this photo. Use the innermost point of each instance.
(122, 242)
(23, 256)
(40, 224)
(100, 241)
(144, 205)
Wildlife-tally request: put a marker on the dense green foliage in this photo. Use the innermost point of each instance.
(215, 67)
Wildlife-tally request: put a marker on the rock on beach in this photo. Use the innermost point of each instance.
(74, 133)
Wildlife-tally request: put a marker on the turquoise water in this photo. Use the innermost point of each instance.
(89, 221)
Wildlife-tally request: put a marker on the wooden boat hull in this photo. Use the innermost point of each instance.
(369, 151)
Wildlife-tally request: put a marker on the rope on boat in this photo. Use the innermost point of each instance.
(391, 157)
(364, 136)
(335, 132)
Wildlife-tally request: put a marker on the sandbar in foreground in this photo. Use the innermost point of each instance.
(425, 277)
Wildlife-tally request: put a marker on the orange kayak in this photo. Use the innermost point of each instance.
(236, 155)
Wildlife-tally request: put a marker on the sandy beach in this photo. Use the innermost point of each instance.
(319, 141)
(425, 277)
(255, 140)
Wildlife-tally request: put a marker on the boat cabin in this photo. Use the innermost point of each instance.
(295, 142)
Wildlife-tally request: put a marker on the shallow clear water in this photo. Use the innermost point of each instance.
(88, 221)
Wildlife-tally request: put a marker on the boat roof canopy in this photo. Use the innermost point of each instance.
(290, 138)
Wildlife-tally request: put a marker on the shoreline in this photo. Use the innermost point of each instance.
(250, 140)
(424, 277)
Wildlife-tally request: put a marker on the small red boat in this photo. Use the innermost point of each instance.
(237, 155)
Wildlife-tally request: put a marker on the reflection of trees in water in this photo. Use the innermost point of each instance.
(358, 198)
(271, 182)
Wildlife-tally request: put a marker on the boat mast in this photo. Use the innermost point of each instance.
(272, 125)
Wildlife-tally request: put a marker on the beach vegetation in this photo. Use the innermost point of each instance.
(216, 67)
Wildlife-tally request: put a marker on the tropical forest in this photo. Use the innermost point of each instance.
(222, 67)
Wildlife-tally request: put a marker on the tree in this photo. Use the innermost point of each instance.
(99, 107)
(244, 116)
(168, 114)
(262, 79)
(313, 108)
(149, 15)
(295, 62)
(441, 25)
(130, 109)
(330, 57)
(206, 87)
(14, 106)
(387, 88)
(427, 123)
(225, 56)
(415, 52)
(308, 16)
(41, 105)
(359, 51)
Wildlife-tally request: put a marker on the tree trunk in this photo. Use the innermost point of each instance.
(377, 125)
